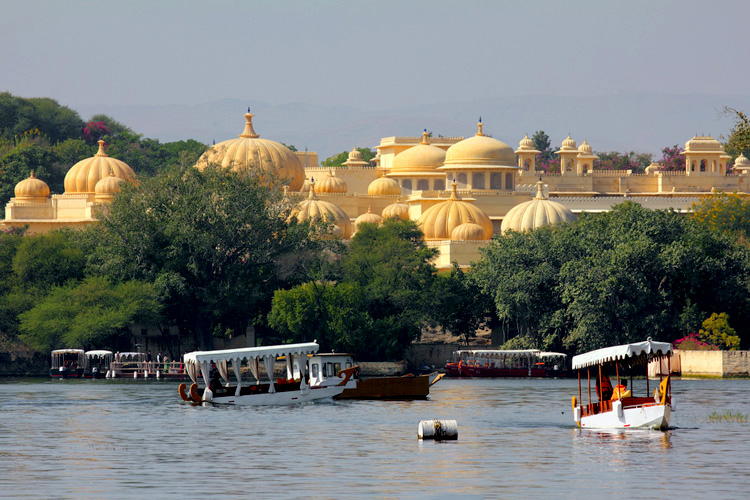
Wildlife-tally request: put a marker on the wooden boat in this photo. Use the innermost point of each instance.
(284, 391)
(617, 407)
(330, 368)
(506, 363)
(68, 363)
(97, 363)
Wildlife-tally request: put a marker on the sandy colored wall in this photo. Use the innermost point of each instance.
(715, 363)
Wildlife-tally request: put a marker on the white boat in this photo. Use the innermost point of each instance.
(617, 407)
(283, 391)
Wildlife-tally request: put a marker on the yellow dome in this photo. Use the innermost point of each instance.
(569, 144)
(439, 221)
(528, 145)
(741, 163)
(106, 188)
(84, 175)
(468, 231)
(249, 152)
(31, 189)
(355, 159)
(585, 148)
(480, 150)
(398, 209)
(536, 213)
(331, 184)
(367, 218)
(420, 158)
(313, 207)
(383, 185)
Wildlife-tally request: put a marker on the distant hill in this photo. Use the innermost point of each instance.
(643, 122)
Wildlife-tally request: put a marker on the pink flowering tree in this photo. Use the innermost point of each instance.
(672, 160)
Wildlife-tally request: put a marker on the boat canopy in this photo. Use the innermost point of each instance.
(97, 354)
(621, 352)
(68, 351)
(552, 355)
(489, 353)
(202, 360)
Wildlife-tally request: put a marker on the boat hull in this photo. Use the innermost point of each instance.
(483, 371)
(70, 373)
(654, 416)
(279, 398)
(389, 388)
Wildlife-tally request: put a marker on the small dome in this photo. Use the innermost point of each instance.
(331, 184)
(653, 167)
(468, 231)
(480, 150)
(249, 152)
(355, 159)
(741, 163)
(439, 221)
(383, 185)
(398, 209)
(84, 175)
(367, 218)
(422, 157)
(703, 143)
(106, 188)
(527, 144)
(313, 207)
(585, 148)
(31, 188)
(536, 213)
(569, 144)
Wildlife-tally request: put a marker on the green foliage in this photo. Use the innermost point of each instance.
(56, 122)
(462, 308)
(338, 160)
(637, 162)
(16, 166)
(214, 243)
(93, 313)
(728, 213)
(613, 278)
(716, 331)
(541, 141)
(738, 141)
(48, 259)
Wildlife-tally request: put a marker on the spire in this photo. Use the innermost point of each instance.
(312, 189)
(540, 190)
(454, 194)
(479, 126)
(249, 132)
(424, 137)
(101, 149)
(31, 175)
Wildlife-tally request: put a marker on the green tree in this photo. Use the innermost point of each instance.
(729, 213)
(90, 314)
(21, 161)
(49, 259)
(56, 122)
(738, 141)
(461, 306)
(716, 331)
(338, 160)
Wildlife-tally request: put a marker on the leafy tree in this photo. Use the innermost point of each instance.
(738, 141)
(56, 122)
(672, 160)
(541, 141)
(546, 160)
(214, 243)
(20, 162)
(48, 259)
(461, 306)
(338, 160)
(729, 213)
(716, 331)
(93, 313)
(622, 161)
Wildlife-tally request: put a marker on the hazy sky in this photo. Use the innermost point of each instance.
(369, 54)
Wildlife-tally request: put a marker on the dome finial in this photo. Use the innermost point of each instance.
(454, 194)
(424, 137)
(31, 175)
(101, 149)
(249, 132)
(540, 190)
(479, 126)
(312, 189)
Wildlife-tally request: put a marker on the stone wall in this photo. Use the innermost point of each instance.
(432, 355)
(714, 363)
(28, 364)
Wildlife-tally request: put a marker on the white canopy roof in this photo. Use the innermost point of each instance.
(68, 351)
(98, 353)
(251, 352)
(490, 353)
(620, 352)
(552, 355)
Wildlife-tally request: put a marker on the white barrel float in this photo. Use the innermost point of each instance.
(439, 430)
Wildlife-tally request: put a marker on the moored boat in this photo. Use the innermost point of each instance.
(213, 368)
(97, 363)
(67, 363)
(506, 363)
(617, 407)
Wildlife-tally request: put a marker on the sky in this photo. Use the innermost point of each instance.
(370, 55)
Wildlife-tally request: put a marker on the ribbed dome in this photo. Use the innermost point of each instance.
(367, 218)
(398, 209)
(703, 143)
(569, 144)
(585, 148)
(84, 175)
(468, 231)
(439, 221)
(106, 188)
(742, 163)
(355, 159)
(313, 207)
(536, 213)
(249, 152)
(480, 150)
(331, 184)
(31, 189)
(420, 158)
(526, 144)
(383, 185)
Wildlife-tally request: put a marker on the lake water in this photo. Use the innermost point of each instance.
(137, 439)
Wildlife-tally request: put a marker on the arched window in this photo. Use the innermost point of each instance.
(496, 180)
(477, 181)
(439, 185)
(692, 166)
(461, 180)
(703, 165)
(423, 185)
(406, 185)
(569, 166)
(509, 182)
(526, 165)
(585, 168)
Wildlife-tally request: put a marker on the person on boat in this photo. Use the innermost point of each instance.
(215, 383)
(604, 388)
(621, 390)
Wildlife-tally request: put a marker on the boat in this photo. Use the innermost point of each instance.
(67, 363)
(213, 367)
(506, 363)
(97, 363)
(330, 368)
(617, 407)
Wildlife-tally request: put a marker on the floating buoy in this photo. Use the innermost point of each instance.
(439, 430)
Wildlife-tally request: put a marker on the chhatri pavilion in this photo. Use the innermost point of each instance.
(461, 191)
